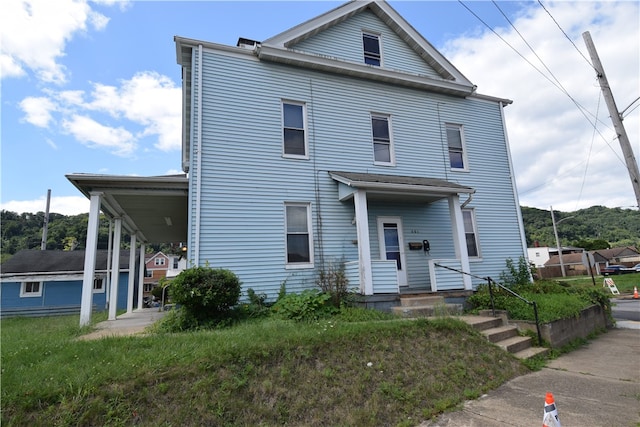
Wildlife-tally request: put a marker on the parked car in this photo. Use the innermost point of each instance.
(636, 268)
(616, 269)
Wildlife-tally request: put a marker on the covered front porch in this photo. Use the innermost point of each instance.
(410, 233)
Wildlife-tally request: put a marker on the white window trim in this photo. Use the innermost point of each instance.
(101, 290)
(159, 262)
(475, 232)
(25, 294)
(465, 161)
(392, 154)
(304, 128)
(299, 265)
(379, 36)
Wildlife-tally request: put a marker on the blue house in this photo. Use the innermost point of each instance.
(347, 141)
(35, 283)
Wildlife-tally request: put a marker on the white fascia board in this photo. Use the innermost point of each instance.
(353, 69)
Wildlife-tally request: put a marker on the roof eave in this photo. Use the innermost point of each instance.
(347, 68)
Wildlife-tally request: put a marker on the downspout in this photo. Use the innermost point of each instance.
(198, 152)
(523, 238)
(466, 202)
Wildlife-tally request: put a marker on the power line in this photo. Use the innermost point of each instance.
(566, 35)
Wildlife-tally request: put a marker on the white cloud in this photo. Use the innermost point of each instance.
(66, 205)
(88, 131)
(38, 110)
(551, 140)
(34, 35)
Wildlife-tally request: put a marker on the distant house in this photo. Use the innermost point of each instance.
(158, 266)
(625, 255)
(35, 282)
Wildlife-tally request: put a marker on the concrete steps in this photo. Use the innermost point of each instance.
(425, 306)
(504, 335)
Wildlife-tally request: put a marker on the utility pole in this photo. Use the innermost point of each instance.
(555, 232)
(616, 118)
(45, 228)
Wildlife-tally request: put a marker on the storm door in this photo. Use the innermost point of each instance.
(392, 245)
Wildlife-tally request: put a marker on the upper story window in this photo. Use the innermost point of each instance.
(382, 144)
(159, 261)
(294, 135)
(371, 45)
(469, 220)
(455, 141)
(299, 236)
(148, 273)
(31, 289)
(176, 263)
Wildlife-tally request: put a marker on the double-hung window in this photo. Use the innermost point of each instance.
(299, 236)
(372, 51)
(455, 141)
(293, 130)
(31, 289)
(470, 234)
(98, 286)
(159, 261)
(382, 146)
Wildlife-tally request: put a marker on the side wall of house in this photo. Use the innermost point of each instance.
(59, 293)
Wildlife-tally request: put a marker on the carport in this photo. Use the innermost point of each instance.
(152, 210)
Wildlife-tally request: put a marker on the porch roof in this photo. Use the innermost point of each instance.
(389, 186)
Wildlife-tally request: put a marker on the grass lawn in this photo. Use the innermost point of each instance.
(624, 282)
(262, 372)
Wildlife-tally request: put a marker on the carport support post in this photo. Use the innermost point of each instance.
(90, 259)
(115, 268)
(132, 272)
(141, 275)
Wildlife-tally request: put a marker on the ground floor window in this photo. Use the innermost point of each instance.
(469, 219)
(299, 237)
(98, 285)
(148, 287)
(31, 289)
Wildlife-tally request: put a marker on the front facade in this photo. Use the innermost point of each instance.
(347, 140)
(159, 266)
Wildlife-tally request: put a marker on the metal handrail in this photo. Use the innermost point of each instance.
(493, 309)
(533, 303)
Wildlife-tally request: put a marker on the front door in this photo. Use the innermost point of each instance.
(392, 245)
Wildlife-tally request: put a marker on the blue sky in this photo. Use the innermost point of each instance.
(94, 87)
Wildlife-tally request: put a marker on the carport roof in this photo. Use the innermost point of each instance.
(154, 208)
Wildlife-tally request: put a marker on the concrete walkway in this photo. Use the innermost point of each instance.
(133, 323)
(597, 385)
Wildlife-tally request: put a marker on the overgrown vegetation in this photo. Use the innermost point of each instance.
(267, 372)
(553, 300)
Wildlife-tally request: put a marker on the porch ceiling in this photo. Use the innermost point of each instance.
(398, 187)
(154, 208)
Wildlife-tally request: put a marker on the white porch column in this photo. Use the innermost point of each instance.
(108, 277)
(459, 239)
(86, 301)
(132, 273)
(115, 264)
(141, 275)
(364, 246)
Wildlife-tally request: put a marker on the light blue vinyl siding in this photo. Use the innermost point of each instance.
(344, 41)
(246, 180)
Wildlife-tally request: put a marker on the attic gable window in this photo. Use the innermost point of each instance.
(371, 45)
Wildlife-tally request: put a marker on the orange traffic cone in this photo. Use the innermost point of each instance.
(550, 418)
(635, 292)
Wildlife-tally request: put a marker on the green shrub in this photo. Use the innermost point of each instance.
(516, 275)
(257, 305)
(206, 293)
(310, 305)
